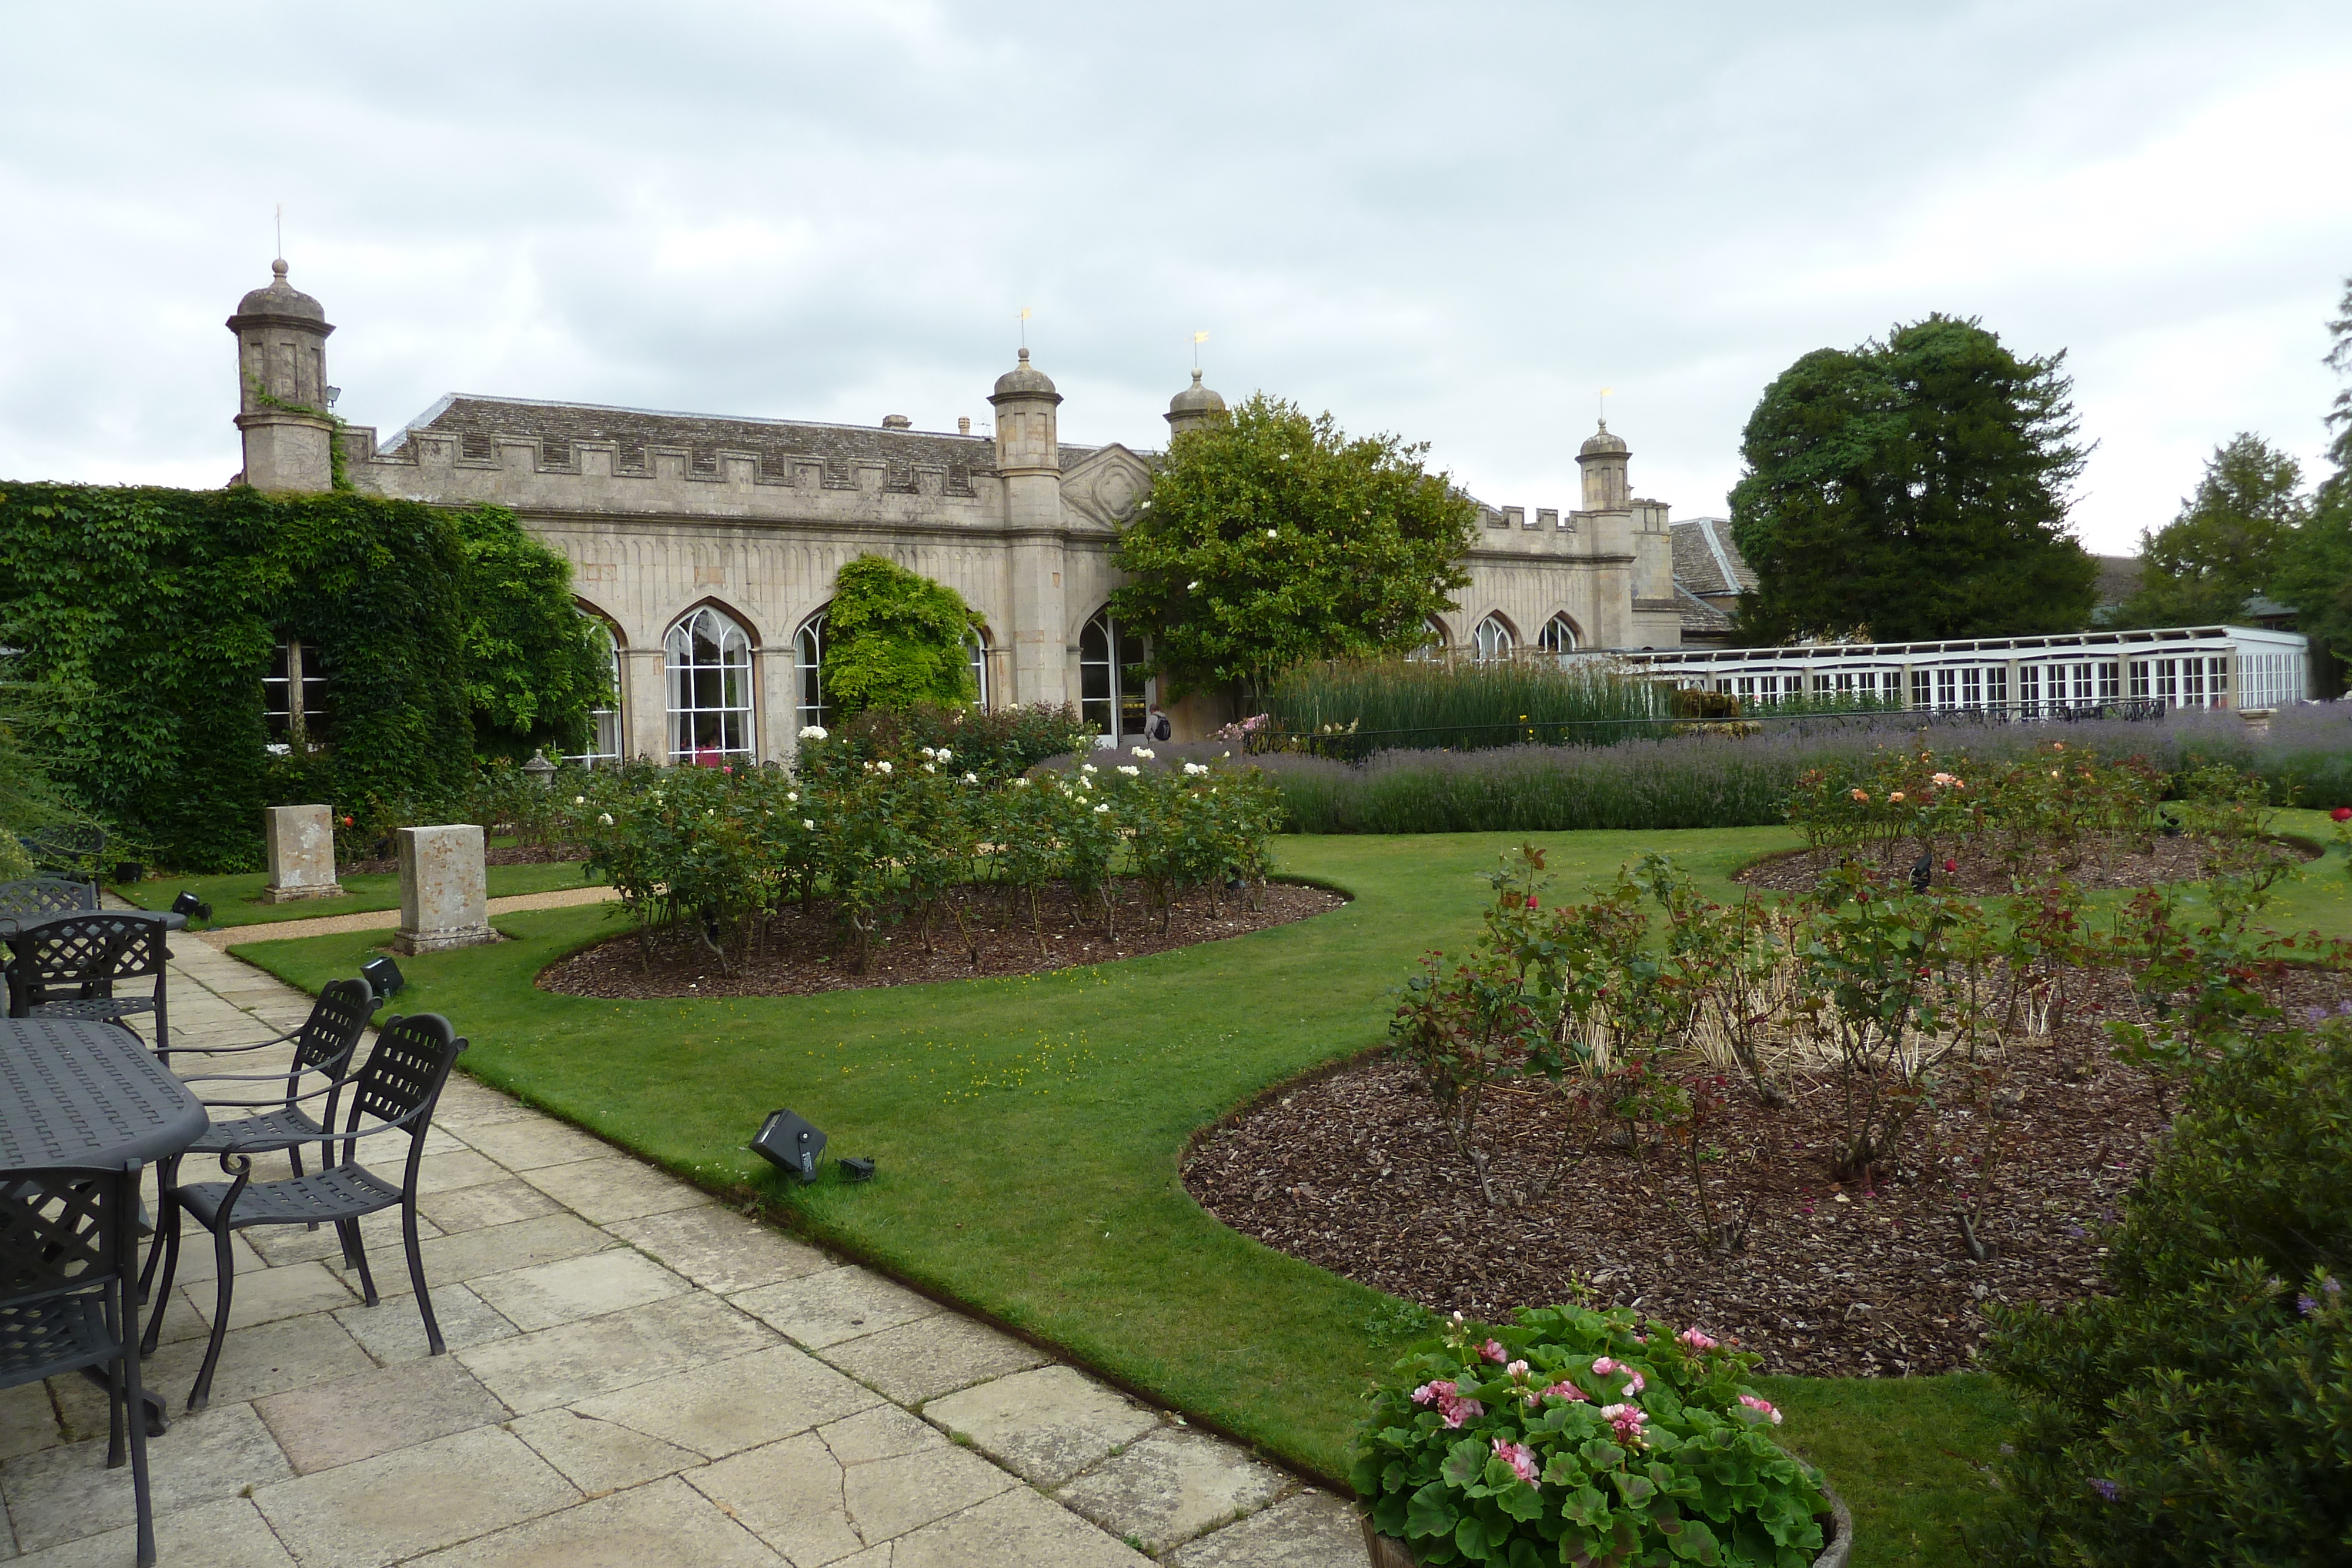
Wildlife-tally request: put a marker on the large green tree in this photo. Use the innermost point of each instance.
(893, 638)
(2226, 544)
(1912, 488)
(2315, 574)
(1272, 537)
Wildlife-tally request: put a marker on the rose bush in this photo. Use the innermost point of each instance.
(1575, 1436)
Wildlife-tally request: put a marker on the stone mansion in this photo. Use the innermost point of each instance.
(707, 546)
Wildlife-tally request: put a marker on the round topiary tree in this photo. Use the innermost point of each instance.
(893, 638)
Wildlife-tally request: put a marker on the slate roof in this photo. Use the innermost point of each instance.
(476, 421)
(1706, 561)
(1698, 615)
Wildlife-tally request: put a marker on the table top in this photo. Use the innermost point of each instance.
(17, 924)
(88, 1096)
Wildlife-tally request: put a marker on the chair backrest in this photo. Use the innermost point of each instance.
(88, 948)
(54, 1227)
(64, 846)
(46, 895)
(404, 1072)
(337, 1018)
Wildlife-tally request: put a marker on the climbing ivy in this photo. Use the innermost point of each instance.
(145, 619)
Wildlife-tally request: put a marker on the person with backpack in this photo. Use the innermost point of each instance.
(1157, 725)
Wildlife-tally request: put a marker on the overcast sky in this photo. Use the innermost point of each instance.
(1455, 222)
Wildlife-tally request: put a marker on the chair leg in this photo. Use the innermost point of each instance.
(417, 1278)
(167, 1219)
(355, 1255)
(117, 1406)
(168, 1240)
(202, 1393)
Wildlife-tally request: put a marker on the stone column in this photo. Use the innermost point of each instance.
(444, 890)
(301, 841)
(644, 704)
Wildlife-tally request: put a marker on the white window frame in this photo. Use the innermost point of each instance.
(688, 679)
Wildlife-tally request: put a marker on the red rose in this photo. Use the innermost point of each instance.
(1951, 865)
(1531, 902)
(347, 822)
(2342, 813)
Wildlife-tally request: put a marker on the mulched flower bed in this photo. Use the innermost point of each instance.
(797, 958)
(495, 854)
(2157, 859)
(1353, 1172)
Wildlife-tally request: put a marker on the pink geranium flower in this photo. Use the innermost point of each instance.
(1763, 1407)
(1450, 1406)
(1522, 1459)
(1605, 1367)
(1626, 1421)
(1695, 1340)
(1563, 1389)
(1493, 1353)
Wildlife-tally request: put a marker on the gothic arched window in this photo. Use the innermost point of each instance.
(808, 674)
(1558, 636)
(709, 658)
(1493, 640)
(605, 731)
(1114, 695)
(1433, 642)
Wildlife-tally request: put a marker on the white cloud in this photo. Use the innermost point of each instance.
(1455, 222)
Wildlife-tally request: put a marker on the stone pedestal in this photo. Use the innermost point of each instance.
(2258, 721)
(443, 895)
(301, 846)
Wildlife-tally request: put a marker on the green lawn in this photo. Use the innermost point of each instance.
(236, 898)
(1029, 1131)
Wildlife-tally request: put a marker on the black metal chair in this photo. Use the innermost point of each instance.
(396, 1089)
(323, 1045)
(72, 847)
(90, 954)
(68, 1249)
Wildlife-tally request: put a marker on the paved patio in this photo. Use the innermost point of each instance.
(637, 1377)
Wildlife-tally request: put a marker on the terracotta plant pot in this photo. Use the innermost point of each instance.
(1837, 1547)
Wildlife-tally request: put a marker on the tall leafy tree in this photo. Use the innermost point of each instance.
(1271, 539)
(893, 638)
(2315, 574)
(1910, 488)
(2227, 542)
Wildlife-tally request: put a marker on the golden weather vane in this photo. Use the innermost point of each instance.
(1198, 339)
(1025, 325)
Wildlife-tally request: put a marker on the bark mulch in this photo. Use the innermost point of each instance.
(2142, 864)
(495, 854)
(797, 955)
(1352, 1171)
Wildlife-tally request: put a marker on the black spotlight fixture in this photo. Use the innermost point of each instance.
(383, 976)
(790, 1143)
(189, 904)
(129, 872)
(856, 1169)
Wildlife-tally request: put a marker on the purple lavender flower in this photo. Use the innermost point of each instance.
(2305, 1305)
(2332, 1286)
(2111, 1491)
(2316, 1015)
(2076, 1232)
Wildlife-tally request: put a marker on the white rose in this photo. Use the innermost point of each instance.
(881, 768)
(1102, 808)
(1021, 783)
(945, 754)
(1130, 770)
(1194, 769)
(1085, 768)
(605, 821)
(579, 800)
(931, 767)
(1272, 535)
(972, 778)
(923, 751)
(793, 796)
(1141, 751)
(812, 732)
(1193, 586)
(809, 822)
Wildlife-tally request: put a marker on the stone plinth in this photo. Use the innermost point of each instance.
(2258, 721)
(301, 846)
(443, 894)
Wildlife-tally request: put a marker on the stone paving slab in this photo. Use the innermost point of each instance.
(637, 1377)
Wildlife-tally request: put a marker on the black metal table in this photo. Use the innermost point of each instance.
(92, 1096)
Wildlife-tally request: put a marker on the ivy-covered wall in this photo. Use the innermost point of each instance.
(145, 619)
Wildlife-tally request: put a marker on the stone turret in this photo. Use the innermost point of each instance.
(281, 358)
(1029, 462)
(1194, 407)
(1603, 457)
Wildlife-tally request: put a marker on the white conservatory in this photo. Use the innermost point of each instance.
(2031, 677)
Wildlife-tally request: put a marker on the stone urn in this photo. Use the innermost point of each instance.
(1837, 1540)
